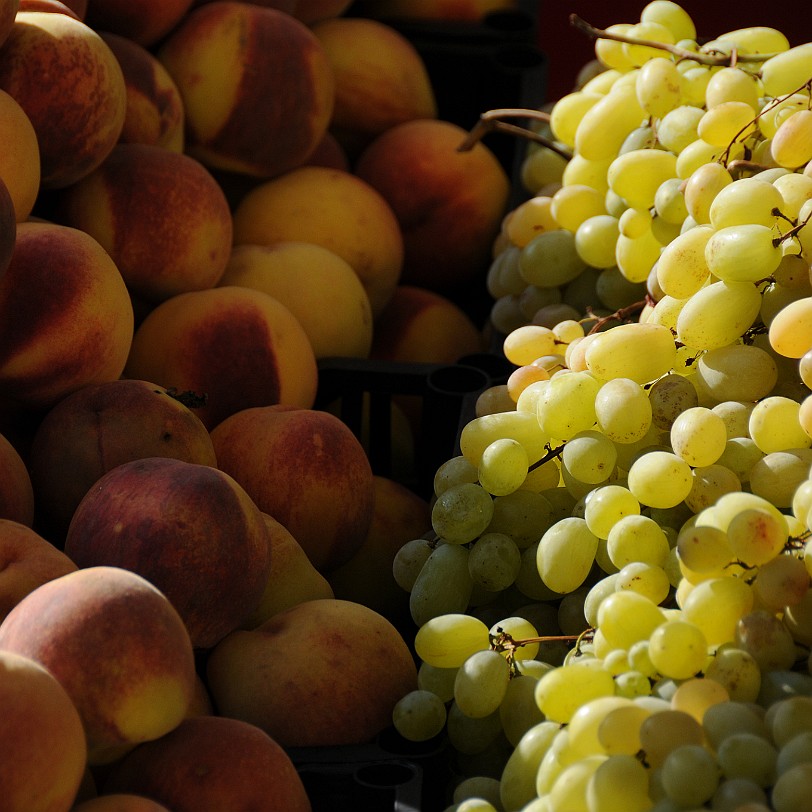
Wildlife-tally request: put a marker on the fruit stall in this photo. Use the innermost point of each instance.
(405, 406)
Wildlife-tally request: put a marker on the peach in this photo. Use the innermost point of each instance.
(27, 561)
(233, 346)
(307, 470)
(117, 646)
(351, 669)
(160, 215)
(155, 112)
(78, 7)
(8, 10)
(293, 578)
(42, 736)
(319, 287)
(189, 529)
(449, 204)
(66, 318)
(380, 79)
(120, 802)
(16, 488)
(329, 153)
(19, 158)
(53, 6)
(79, 112)
(142, 21)
(400, 515)
(256, 85)
(91, 431)
(334, 209)
(212, 763)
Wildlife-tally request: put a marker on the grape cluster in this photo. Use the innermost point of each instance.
(613, 605)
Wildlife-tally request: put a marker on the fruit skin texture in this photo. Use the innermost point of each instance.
(79, 112)
(16, 489)
(449, 204)
(78, 333)
(189, 529)
(212, 763)
(256, 85)
(198, 341)
(307, 470)
(91, 431)
(118, 648)
(350, 669)
(160, 215)
(41, 727)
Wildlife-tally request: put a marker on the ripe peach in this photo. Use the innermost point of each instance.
(91, 431)
(189, 529)
(307, 470)
(234, 346)
(380, 79)
(160, 215)
(351, 669)
(142, 21)
(79, 112)
(449, 204)
(212, 762)
(331, 208)
(154, 105)
(16, 489)
(19, 158)
(319, 287)
(256, 85)
(27, 561)
(42, 736)
(66, 318)
(117, 646)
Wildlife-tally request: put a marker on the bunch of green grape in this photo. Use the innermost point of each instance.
(614, 601)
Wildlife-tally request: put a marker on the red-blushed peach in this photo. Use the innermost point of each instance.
(27, 561)
(331, 208)
(120, 802)
(313, 11)
(41, 736)
(117, 646)
(212, 764)
(19, 158)
(189, 529)
(155, 112)
(293, 578)
(380, 79)
(423, 326)
(201, 704)
(100, 426)
(160, 215)
(256, 84)
(400, 515)
(142, 21)
(66, 318)
(449, 204)
(52, 6)
(234, 346)
(8, 10)
(319, 287)
(16, 488)
(352, 666)
(307, 470)
(79, 112)
(8, 226)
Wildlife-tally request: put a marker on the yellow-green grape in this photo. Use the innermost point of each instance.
(610, 52)
(626, 617)
(519, 711)
(494, 399)
(746, 201)
(565, 554)
(795, 190)
(781, 581)
(619, 731)
(419, 716)
(737, 373)
(649, 580)
(439, 681)
(669, 397)
(598, 591)
(635, 257)
(735, 413)
(550, 260)
(678, 649)
(805, 415)
(658, 86)
(477, 793)
(757, 39)
(568, 790)
(696, 695)
(716, 605)
(567, 405)
(730, 505)
(748, 756)
(409, 560)
(698, 435)
(637, 538)
(481, 683)
(534, 297)
(694, 84)
(494, 561)
(527, 220)
(641, 352)
(596, 240)
(703, 548)
(589, 457)
(524, 345)
(518, 778)
(785, 72)
(453, 471)
(634, 223)
(588, 172)
(678, 127)
(519, 629)
(462, 513)
(756, 537)
(636, 175)
(727, 122)
(710, 482)
(791, 145)
(666, 730)
(699, 152)
(660, 479)
(718, 314)
(607, 505)
(480, 432)
(565, 332)
(662, 230)
(470, 735)
(743, 253)
(571, 205)
(732, 84)
(623, 410)
(669, 203)
(690, 775)
(768, 639)
(701, 189)
(560, 692)
(790, 332)
(447, 641)
(604, 127)
(774, 425)
(675, 18)
(682, 268)
(443, 584)
(584, 724)
(541, 167)
(775, 111)
(503, 467)
(647, 30)
(567, 112)
(523, 515)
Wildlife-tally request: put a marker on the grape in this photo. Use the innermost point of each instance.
(636, 175)
(702, 187)
(567, 405)
(698, 436)
(525, 344)
(737, 373)
(626, 617)
(756, 536)
(791, 145)
(774, 425)
(665, 731)
(767, 639)
(526, 221)
(454, 471)
(480, 432)
(596, 239)
(784, 72)
(567, 113)
(419, 715)
(731, 84)
(619, 731)
(589, 457)
(797, 750)
(646, 579)
(740, 455)
(565, 554)
(790, 332)
(439, 681)
(703, 548)
(518, 711)
(623, 410)
(669, 397)
(636, 257)
(637, 538)
(739, 794)
(640, 352)
(619, 784)
(716, 606)
(710, 482)
(550, 260)
(606, 124)
(503, 466)
(472, 735)
(462, 512)
(586, 721)
(777, 475)
(658, 86)
(660, 479)
(568, 791)
(726, 122)
(682, 268)
(678, 649)
(518, 780)
(559, 693)
(690, 775)
(446, 641)
(781, 581)
(409, 560)
(481, 683)
(523, 515)
(494, 561)
(745, 202)
(519, 629)
(743, 253)
(747, 755)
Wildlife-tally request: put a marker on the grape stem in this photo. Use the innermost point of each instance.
(623, 314)
(502, 641)
(793, 231)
